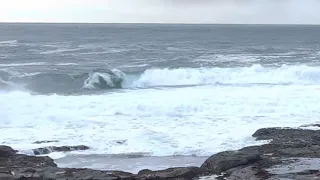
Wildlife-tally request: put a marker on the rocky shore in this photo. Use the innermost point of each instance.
(292, 154)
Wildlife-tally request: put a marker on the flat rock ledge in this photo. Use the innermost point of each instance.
(292, 154)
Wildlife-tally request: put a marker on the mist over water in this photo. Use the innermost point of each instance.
(215, 11)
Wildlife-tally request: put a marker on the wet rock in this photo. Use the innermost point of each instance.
(248, 173)
(120, 173)
(120, 142)
(4, 176)
(40, 151)
(287, 134)
(28, 173)
(43, 142)
(70, 148)
(50, 149)
(21, 160)
(300, 166)
(171, 173)
(252, 162)
(145, 171)
(306, 175)
(229, 159)
(290, 149)
(6, 151)
(299, 152)
(289, 142)
(64, 174)
(310, 125)
(9, 158)
(306, 172)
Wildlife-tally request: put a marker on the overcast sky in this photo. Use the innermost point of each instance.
(162, 11)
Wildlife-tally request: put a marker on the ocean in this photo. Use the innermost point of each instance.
(153, 95)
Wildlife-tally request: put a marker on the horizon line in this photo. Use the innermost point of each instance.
(167, 23)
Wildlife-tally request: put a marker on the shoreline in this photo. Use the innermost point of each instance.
(293, 153)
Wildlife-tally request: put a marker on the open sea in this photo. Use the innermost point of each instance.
(153, 95)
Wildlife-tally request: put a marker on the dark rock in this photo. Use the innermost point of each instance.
(64, 174)
(229, 159)
(286, 134)
(171, 173)
(4, 176)
(144, 172)
(292, 149)
(316, 138)
(297, 152)
(95, 174)
(306, 172)
(310, 125)
(6, 151)
(50, 149)
(120, 173)
(251, 162)
(289, 142)
(40, 151)
(43, 142)
(303, 175)
(299, 166)
(5, 170)
(70, 148)
(248, 173)
(120, 142)
(28, 173)
(21, 160)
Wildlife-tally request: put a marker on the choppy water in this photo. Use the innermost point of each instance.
(185, 89)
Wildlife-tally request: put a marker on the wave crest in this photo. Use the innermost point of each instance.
(255, 74)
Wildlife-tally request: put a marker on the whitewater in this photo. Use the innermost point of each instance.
(159, 90)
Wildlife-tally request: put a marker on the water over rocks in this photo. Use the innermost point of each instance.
(50, 149)
(291, 154)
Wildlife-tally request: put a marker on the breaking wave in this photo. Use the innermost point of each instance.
(104, 79)
(45, 82)
(255, 74)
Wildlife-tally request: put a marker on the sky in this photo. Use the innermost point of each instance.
(162, 11)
